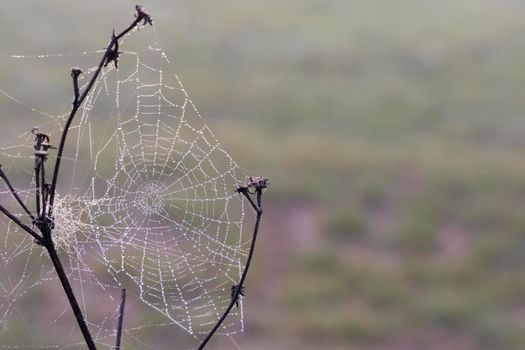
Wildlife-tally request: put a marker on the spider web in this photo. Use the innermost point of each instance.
(146, 201)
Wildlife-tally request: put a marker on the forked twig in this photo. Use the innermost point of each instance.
(259, 184)
(45, 193)
(141, 15)
(109, 55)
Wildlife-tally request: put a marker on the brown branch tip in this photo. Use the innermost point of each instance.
(142, 15)
(257, 183)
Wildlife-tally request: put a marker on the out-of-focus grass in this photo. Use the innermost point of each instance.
(392, 133)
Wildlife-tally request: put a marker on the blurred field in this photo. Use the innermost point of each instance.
(392, 134)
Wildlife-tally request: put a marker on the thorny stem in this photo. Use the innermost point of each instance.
(238, 290)
(120, 319)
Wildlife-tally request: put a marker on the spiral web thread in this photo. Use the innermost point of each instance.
(146, 201)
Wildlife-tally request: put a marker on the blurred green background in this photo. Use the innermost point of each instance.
(392, 133)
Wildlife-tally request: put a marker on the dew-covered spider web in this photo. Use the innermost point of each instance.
(146, 201)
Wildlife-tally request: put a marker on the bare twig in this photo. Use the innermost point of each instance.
(45, 224)
(120, 318)
(75, 73)
(141, 15)
(45, 221)
(38, 165)
(26, 228)
(45, 193)
(69, 291)
(14, 193)
(239, 288)
(246, 193)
